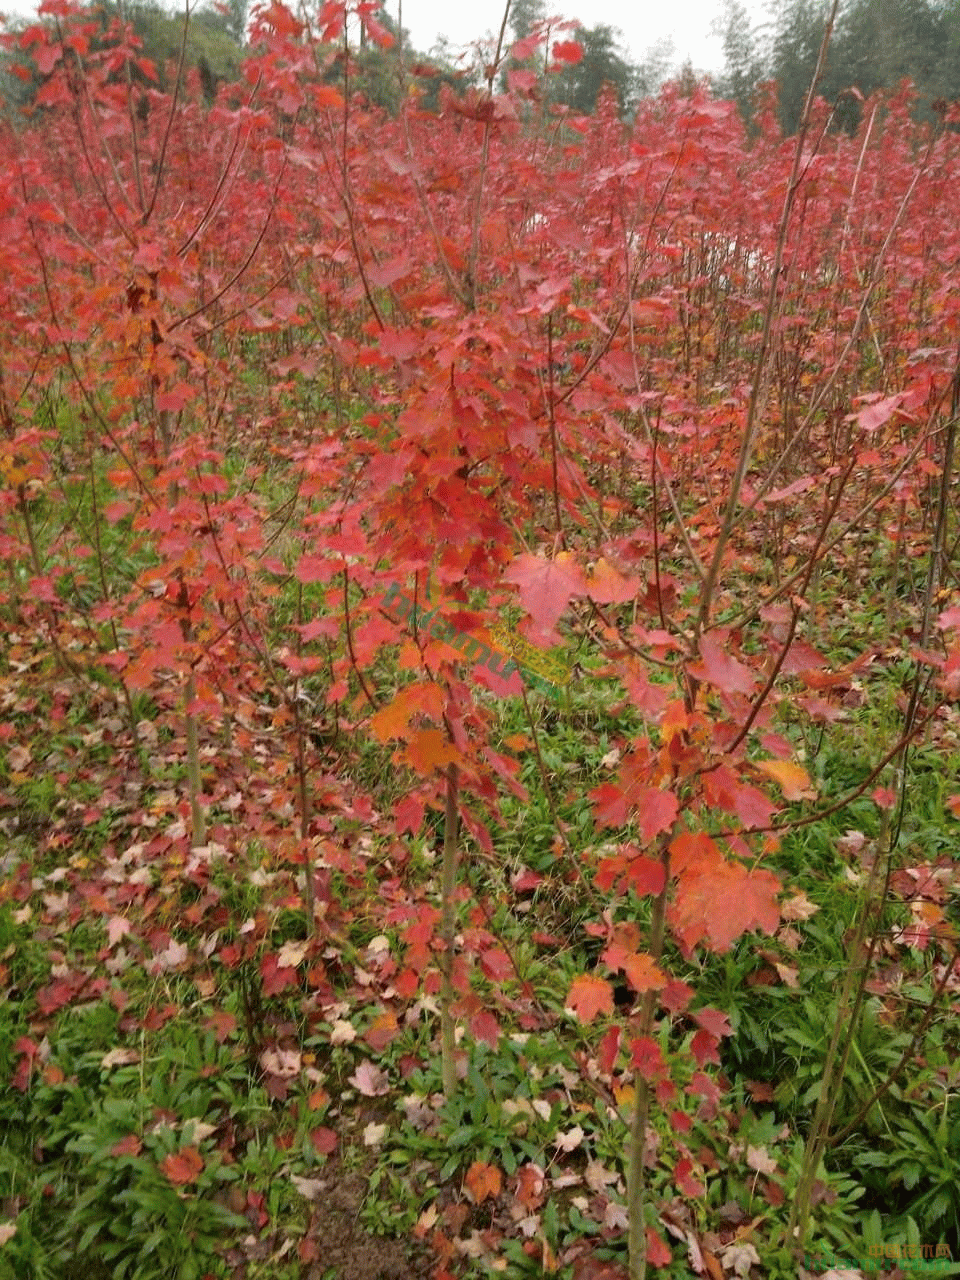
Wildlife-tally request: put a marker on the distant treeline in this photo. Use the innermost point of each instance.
(875, 45)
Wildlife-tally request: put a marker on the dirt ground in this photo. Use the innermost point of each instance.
(335, 1244)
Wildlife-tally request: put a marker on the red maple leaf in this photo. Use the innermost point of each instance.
(718, 668)
(658, 1253)
(647, 1057)
(656, 812)
(128, 1146)
(712, 1020)
(324, 1140)
(568, 51)
(545, 587)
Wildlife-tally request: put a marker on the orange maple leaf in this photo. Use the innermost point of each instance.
(394, 720)
(590, 995)
(483, 1182)
(793, 779)
(430, 749)
(183, 1166)
(606, 585)
(642, 972)
(717, 905)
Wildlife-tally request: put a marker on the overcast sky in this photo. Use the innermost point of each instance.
(688, 23)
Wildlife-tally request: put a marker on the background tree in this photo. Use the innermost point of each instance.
(655, 68)
(442, 66)
(374, 65)
(212, 50)
(876, 44)
(796, 44)
(946, 79)
(579, 85)
(881, 42)
(235, 14)
(524, 16)
(743, 59)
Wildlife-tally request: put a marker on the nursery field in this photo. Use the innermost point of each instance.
(480, 676)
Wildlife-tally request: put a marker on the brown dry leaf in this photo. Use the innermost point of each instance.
(759, 1159)
(772, 1193)
(281, 1062)
(598, 1176)
(426, 1222)
(548, 1259)
(615, 1217)
(418, 1111)
(694, 1254)
(343, 1032)
(472, 1246)
(309, 1188)
(851, 842)
(570, 1140)
(739, 1258)
(119, 1058)
(760, 1090)
(374, 1134)
(172, 956)
(712, 1264)
(369, 1080)
(586, 1266)
(798, 907)
(292, 954)
(531, 1184)
(765, 976)
(199, 1129)
(731, 1213)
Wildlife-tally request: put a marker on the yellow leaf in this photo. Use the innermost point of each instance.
(793, 779)
(624, 1095)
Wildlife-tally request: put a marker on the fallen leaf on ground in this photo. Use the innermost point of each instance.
(119, 1058)
(483, 1181)
(369, 1080)
(183, 1167)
